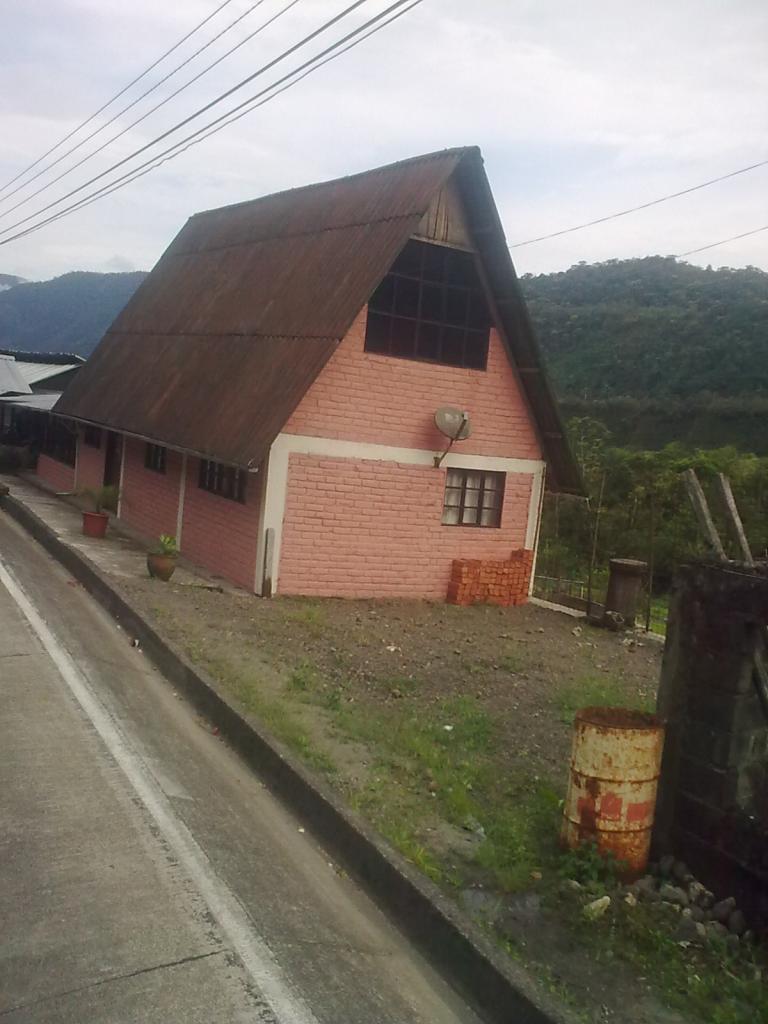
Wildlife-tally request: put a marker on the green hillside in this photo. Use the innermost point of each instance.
(657, 349)
(653, 327)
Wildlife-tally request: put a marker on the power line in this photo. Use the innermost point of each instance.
(128, 107)
(723, 241)
(117, 95)
(283, 10)
(642, 206)
(170, 131)
(297, 74)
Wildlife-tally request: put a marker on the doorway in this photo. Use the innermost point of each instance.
(113, 457)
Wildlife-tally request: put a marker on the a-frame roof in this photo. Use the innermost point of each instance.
(221, 341)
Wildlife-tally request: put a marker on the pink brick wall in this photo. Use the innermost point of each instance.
(381, 400)
(221, 534)
(90, 465)
(56, 474)
(360, 528)
(149, 500)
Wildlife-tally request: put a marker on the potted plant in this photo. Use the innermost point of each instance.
(104, 501)
(161, 561)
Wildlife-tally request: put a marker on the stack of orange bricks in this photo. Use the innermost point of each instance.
(486, 581)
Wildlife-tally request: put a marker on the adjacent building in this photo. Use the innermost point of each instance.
(269, 393)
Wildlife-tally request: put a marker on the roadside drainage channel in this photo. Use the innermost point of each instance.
(496, 988)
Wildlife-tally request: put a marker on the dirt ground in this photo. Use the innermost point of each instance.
(527, 668)
(449, 729)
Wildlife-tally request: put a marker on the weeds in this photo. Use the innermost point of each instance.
(590, 691)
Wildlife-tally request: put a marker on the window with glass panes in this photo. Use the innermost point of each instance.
(473, 498)
(226, 481)
(154, 457)
(431, 306)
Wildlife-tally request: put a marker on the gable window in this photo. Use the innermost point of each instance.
(92, 436)
(154, 457)
(226, 481)
(431, 306)
(473, 498)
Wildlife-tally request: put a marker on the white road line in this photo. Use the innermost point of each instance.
(287, 1005)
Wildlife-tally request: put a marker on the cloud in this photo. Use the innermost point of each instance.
(580, 110)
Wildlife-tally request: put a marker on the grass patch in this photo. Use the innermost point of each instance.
(521, 835)
(708, 983)
(312, 617)
(590, 691)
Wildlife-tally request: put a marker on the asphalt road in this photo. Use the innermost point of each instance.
(146, 875)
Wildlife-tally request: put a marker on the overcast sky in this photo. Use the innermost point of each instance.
(581, 109)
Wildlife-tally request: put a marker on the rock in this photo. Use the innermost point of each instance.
(748, 936)
(698, 914)
(592, 911)
(673, 894)
(614, 621)
(571, 885)
(645, 889)
(707, 900)
(695, 891)
(630, 899)
(732, 943)
(536, 876)
(680, 871)
(577, 630)
(737, 923)
(519, 913)
(716, 931)
(689, 930)
(665, 866)
(723, 910)
(479, 903)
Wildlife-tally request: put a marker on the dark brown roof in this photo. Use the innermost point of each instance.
(218, 345)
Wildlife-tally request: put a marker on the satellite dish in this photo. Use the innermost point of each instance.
(453, 423)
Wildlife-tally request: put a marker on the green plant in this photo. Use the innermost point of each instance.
(166, 545)
(590, 692)
(587, 865)
(103, 499)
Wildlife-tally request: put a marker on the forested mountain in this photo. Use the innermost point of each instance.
(658, 349)
(67, 314)
(652, 328)
(9, 280)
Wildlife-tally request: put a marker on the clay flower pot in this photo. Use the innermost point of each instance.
(161, 566)
(95, 524)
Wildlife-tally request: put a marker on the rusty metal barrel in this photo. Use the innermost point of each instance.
(625, 579)
(614, 776)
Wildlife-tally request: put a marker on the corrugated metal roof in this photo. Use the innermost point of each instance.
(42, 402)
(221, 341)
(60, 358)
(34, 373)
(11, 380)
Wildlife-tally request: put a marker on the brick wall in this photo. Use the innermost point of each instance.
(90, 465)
(381, 400)
(220, 534)
(57, 475)
(363, 528)
(503, 582)
(149, 500)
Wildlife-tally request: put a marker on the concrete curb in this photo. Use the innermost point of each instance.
(500, 992)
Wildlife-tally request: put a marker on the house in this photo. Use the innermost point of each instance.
(30, 385)
(269, 393)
